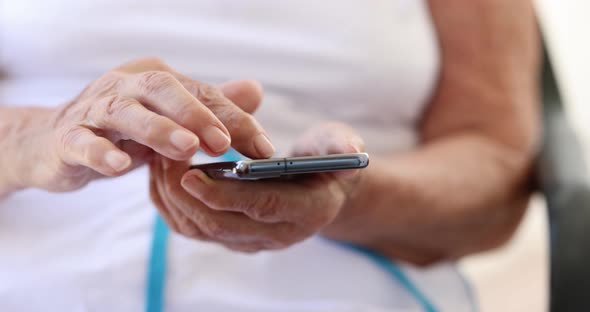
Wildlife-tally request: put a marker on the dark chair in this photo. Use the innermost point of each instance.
(563, 178)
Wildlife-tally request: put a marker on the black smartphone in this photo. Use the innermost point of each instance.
(277, 167)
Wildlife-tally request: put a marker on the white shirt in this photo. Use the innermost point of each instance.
(370, 64)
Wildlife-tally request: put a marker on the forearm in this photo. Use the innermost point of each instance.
(17, 145)
(454, 196)
(465, 188)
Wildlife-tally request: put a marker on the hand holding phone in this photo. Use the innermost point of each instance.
(265, 214)
(277, 167)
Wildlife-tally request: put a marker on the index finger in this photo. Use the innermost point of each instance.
(165, 95)
(248, 136)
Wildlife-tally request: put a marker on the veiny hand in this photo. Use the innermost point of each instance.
(122, 118)
(257, 215)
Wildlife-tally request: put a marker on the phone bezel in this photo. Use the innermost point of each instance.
(255, 169)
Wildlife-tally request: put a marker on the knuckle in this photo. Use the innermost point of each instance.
(188, 228)
(153, 82)
(192, 86)
(153, 128)
(69, 137)
(264, 207)
(214, 228)
(227, 116)
(239, 118)
(110, 78)
(105, 84)
(237, 121)
(88, 153)
(115, 107)
(210, 96)
(188, 113)
(245, 118)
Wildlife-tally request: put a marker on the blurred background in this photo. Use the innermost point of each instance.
(516, 277)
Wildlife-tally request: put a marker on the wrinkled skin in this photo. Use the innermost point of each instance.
(131, 113)
(463, 189)
(257, 215)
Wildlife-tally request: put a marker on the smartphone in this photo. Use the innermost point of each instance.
(278, 167)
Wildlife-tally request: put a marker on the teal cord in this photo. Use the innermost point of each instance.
(156, 276)
(154, 295)
(396, 273)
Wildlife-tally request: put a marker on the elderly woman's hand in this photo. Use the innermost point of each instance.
(257, 215)
(129, 113)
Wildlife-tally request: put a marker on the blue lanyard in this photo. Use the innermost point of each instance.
(156, 275)
(154, 292)
(155, 288)
(391, 268)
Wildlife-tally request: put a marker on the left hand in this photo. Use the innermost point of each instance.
(251, 216)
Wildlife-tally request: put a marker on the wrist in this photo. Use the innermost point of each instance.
(353, 222)
(378, 207)
(21, 141)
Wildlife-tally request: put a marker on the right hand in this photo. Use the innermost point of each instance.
(137, 109)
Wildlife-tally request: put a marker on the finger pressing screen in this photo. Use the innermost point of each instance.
(248, 136)
(162, 93)
(133, 121)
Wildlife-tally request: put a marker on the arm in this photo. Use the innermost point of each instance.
(463, 190)
(119, 121)
(15, 127)
(466, 187)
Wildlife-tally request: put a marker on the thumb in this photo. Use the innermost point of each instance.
(328, 138)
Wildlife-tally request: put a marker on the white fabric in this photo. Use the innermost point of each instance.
(370, 64)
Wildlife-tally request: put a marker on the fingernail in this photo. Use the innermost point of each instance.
(203, 177)
(117, 160)
(190, 182)
(357, 144)
(195, 179)
(263, 146)
(183, 140)
(353, 148)
(216, 139)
